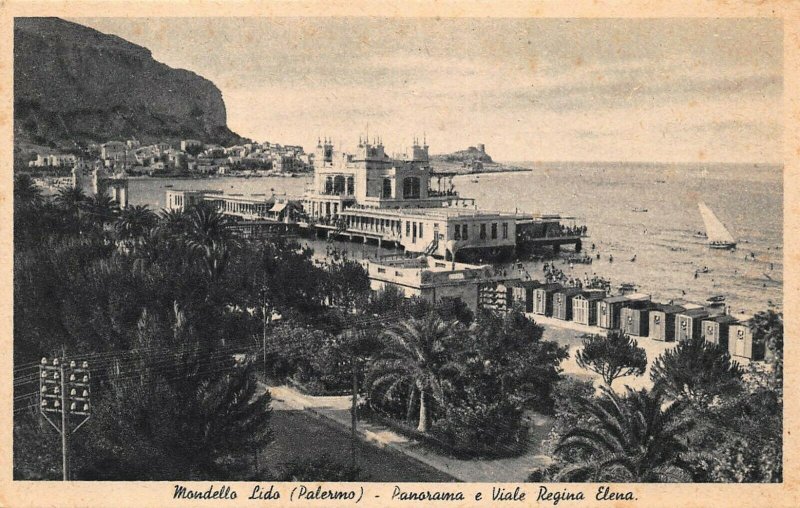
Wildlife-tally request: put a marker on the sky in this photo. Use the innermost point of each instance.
(673, 90)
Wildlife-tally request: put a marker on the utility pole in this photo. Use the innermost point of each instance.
(64, 389)
(264, 327)
(64, 433)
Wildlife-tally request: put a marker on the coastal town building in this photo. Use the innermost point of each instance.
(431, 279)
(394, 199)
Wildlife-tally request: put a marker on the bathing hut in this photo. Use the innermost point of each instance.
(741, 344)
(662, 322)
(584, 307)
(543, 299)
(636, 321)
(688, 324)
(562, 303)
(522, 293)
(609, 309)
(715, 329)
(495, 296)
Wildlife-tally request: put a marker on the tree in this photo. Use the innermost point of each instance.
(504, 357)
(613, 356)
(696, 371)
(767, 328)
(101, 209)
(135, 221)
(70, 198)
(209, 237)
(412, 359)
(26, 193)
(625, 439)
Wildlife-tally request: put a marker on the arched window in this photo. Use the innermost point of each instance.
(338, 184)
(328, 185)
(411, 187)
(387, 188)
(350, 186)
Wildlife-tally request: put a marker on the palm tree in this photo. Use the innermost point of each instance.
(26, 193)
(101, 209)
(173, 222)
(209, 236)
(413, 359)
(135, 221)
(625, 439)
(70, 198)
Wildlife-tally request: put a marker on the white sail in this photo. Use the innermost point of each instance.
(716, 232)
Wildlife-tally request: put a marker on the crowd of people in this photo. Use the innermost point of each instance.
(561, 230)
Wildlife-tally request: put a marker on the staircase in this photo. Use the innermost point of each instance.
(431, 248)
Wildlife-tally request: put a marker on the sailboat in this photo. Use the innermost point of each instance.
(718, 235)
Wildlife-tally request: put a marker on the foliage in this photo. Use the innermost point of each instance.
(82, 286)
(625, 439)
(614, 356)
(504, 356)
(477, 381)
(696, 371)
(479, 428)
(414, 354)
(318, 469)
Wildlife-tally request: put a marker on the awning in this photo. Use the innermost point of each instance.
(278, 208)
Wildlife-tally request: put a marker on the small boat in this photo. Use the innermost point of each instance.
(717, 234)
(168, 186)
(716, 299)
(639, 210)
(627, 287)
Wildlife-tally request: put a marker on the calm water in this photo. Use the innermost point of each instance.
(747, 199)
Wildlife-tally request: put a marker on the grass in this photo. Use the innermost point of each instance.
(300, 435)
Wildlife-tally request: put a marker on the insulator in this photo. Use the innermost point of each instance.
(72, 377)
(73, 392)
(85, 379)
(86, 407)
(85, 365)
(44, 373)
(44, 361)
(44, 403)
(72, 364)
(56, 390)
(73, 406)
(55, 361)
(56, 404)
(55, 375)
(44, 389)
(85, 393)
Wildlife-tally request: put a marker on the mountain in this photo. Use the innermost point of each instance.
(75, 84)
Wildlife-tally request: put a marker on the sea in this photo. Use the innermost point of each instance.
(644, 210)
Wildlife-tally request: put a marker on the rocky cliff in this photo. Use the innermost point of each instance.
(75, 84)
(469, 155)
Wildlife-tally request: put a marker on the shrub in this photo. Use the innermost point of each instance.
(483, 430)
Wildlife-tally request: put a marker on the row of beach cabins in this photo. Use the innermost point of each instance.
(635, 314)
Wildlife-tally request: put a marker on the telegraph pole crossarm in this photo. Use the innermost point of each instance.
(64, 390)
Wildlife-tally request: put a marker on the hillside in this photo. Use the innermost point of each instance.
(75, 84)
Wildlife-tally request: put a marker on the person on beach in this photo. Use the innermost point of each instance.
(610, 258)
